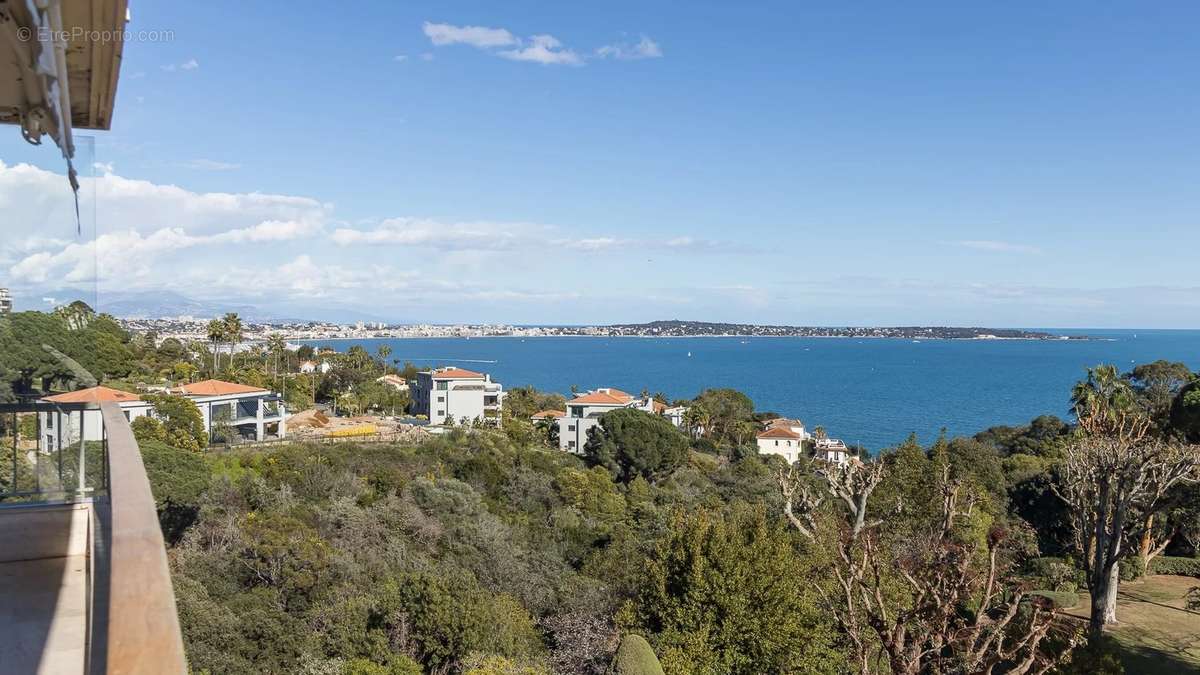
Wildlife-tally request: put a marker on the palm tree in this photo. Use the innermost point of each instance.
(819, 433)
(233, 332)
(216, 335)
(384, 352)
(276, 345)
(1102, 397)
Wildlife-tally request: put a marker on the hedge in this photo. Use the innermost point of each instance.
(1184, 567)
(1061, 599)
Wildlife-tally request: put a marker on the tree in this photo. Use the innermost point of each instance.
(1158, 383)
(633, 443)
(726, 408)
(147, 429)
(1114, 483)
(233, 332)
(900, 593)
(1185, 412)
(181, 419)
(728, 594)
(1114, 477)
(384, 351)
(216, 335)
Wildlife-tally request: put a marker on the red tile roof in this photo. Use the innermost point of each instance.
(456, 374)
(548, 414)
(779, 432)
(606, 396)
(93, 395)
(217, 388)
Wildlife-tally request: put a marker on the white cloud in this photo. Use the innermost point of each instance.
(442, 34)
(427, 56)
(190, 64)
(644, 49)
(209, 165)
(544, 49)
(998, 246)
(595, 244)
(422, 232)
(400, 58)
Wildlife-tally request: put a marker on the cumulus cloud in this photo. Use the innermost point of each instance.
(442, 34)
(644, 49)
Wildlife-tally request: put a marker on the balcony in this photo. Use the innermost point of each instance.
(83, 569)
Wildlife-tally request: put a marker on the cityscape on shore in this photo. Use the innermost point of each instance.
(195, 328)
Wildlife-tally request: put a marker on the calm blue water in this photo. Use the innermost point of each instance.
(872, 392)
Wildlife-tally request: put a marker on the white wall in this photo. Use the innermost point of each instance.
(784, 447)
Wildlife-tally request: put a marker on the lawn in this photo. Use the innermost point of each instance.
(1156, 633)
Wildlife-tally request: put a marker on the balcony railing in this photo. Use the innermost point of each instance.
(84, 580)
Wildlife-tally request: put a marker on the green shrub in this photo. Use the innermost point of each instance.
(1060, 599)
(1055, 574)
(1184, 567)
(635, 657)
(1132, 569)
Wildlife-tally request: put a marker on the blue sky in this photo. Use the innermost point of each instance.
(878, 164)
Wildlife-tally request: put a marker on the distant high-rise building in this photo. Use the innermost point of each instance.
(5, 302)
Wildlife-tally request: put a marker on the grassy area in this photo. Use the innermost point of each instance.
(1157, 633)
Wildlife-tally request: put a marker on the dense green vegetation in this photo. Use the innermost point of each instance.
(488, 551)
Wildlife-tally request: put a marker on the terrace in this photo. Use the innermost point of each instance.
(83, 569)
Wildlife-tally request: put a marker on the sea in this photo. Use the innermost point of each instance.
(872, 392)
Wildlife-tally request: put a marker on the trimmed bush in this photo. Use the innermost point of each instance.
(1056, 574)
(635, 657)
(1184, 567)
(1060, 599)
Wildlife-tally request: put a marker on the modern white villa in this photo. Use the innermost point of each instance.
(459, 395)
(831, 450)
(253, 413)
(62, 429)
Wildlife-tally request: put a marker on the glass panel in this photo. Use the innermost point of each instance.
(52, 340)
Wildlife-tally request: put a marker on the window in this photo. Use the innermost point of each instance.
(49, 442)
(49, 420)
(442, 385)
(126, 415)
(441, 413)
(570, 444)
(571, 427)
(441, 399)
(777, 444)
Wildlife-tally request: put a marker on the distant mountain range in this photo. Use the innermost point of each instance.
(169, 304)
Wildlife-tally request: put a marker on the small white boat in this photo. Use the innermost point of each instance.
(689, 354)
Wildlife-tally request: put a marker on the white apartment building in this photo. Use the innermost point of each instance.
(61, 429)
(460, 395)
(5, 302)
(253, 413)
(584, 412)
